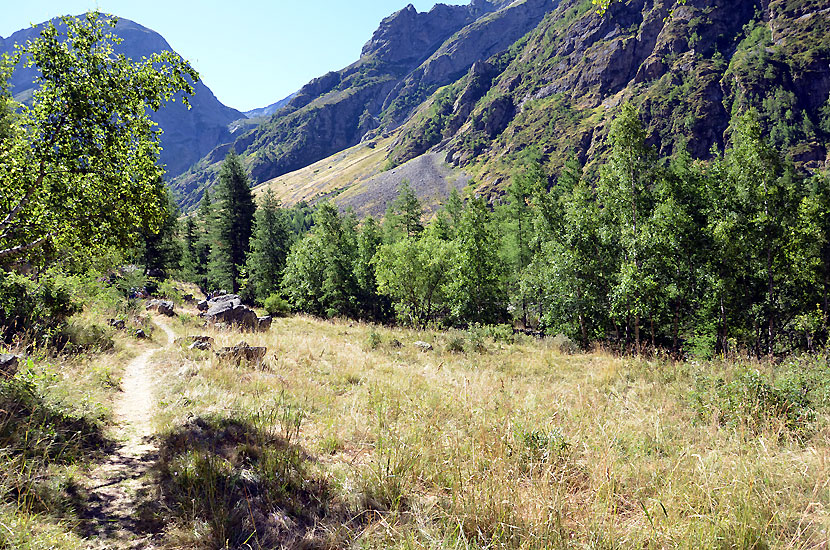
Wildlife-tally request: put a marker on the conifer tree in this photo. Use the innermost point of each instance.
(403, 217)
(269, 247)
(233, 226)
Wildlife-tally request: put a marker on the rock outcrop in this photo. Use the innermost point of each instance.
(242, 352)
(410, 55)
(165, 307)
(229, 310)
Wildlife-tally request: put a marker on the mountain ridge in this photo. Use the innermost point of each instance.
(339, 109)
(189, 134)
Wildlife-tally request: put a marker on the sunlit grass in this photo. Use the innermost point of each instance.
(514, 445)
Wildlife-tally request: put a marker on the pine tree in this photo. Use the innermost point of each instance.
(234, 225)
(269, 247)
(403, 217)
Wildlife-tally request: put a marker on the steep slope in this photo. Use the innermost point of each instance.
(188, 134)
(688, 66)
(408, 57)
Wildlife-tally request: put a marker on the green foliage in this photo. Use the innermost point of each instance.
(85, 138)
(414, 272)
(269, 247)
(751, 400)
(475, 289)
(319, 274)
(276, 306)
(403, 217)
(35, 307)
(233, 226)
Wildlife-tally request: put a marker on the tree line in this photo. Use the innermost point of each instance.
(674, 254)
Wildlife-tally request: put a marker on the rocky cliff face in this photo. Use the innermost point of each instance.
(188, 134)
(409, 56)
(689, 68)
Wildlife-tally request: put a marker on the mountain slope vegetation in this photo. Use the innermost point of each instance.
(552, 80)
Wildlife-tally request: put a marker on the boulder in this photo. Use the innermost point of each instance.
(204, 305)
(165, 307)
(263, 323)
(203, 345)
(117, 324)
(8, 365)
(233, 313)
(140, 334)
(191, 342)
(423, 346)
(242, 351)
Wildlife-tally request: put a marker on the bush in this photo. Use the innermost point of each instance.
(750, 400)
(276, 306)
(166, 289)
(35, 307)
(373, 341)
(564, 345)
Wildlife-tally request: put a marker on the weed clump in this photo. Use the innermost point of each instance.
(247, 480)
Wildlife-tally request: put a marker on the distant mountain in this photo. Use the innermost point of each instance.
(480, 85)
(410, 55)
(270, 109)
(188, 134)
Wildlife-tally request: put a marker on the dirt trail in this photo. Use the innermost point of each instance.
(118, 484)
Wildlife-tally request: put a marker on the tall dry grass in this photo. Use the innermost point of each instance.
(498, 444)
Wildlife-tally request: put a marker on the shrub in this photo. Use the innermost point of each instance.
(751, 400)
(167, 289)
(373, 340)
(36, 307)
(455, 345)
(564, 345)
(276, 306)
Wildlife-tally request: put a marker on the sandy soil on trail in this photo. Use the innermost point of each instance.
(118, 484)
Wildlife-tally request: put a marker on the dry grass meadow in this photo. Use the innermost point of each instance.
(348, 435)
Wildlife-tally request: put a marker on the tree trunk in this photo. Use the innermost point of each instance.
(676, 326)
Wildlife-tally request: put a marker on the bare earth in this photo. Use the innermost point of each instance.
(118, 485)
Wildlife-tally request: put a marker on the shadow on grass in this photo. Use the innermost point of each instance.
(36, 437)
(249, 485)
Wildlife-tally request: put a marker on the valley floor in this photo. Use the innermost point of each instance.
(349, 435)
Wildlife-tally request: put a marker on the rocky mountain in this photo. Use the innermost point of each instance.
(410, 55)
(270, 109)
(689, 67)
(482, 84)
(188, 134)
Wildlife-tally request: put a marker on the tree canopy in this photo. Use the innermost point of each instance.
(78, 165)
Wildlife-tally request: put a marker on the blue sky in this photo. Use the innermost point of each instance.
(249, 52)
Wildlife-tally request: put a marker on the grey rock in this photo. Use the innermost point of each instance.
(165, 307)
(140, 334)
(8, 365)
(204, 305)
(232, 312)
(423, 346)
(263, 324)
(117, 324)
(203, 345)
(242, 352)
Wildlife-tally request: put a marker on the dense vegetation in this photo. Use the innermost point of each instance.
(680, 255)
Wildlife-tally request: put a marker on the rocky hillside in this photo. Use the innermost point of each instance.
(480, 84)
(188, 134)
(689, 67)
(410, 56)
